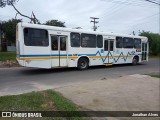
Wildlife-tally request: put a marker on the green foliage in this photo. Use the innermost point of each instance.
(4, 56)
(157, 76)
(154, 42)
(29, 101)
(3, 3)
(62, 103)
(55, 23)
(47, 100)
(9, 29)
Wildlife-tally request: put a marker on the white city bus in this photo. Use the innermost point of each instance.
(43, 46)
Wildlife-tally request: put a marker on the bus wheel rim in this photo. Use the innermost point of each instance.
(83, 64)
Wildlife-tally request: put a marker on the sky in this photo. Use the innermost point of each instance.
(117, 16)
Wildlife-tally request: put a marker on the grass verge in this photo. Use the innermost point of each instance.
(154, 56)
(4, 56)
(48, 100)
(157, 76)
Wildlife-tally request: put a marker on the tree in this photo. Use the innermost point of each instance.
(33, 18)
(3, 3)
(154, 42)
(55, 23)
(9, 29)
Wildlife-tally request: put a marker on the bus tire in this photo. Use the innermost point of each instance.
(83, 64)
(135, 61)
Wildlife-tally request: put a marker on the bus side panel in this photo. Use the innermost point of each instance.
(37, 57)
(118, 58)
(33, 56)
(128, 55)
(19, 43)
(91, 53)
(38, 63)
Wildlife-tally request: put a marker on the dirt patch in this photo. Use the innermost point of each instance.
(8, 64)
(128, 93)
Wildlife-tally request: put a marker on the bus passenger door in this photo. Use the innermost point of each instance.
(108, 51)
(62, 51)
(58, 51)
(144, 51)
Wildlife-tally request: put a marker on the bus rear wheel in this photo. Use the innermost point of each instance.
(83, 64)
(135, 61)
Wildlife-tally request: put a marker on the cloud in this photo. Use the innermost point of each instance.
(114, 16)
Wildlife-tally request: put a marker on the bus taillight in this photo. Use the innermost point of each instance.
(138, 50)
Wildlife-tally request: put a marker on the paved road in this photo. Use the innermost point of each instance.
(21, 80)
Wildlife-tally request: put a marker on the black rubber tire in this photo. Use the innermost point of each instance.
(83, 64)
(134, 61)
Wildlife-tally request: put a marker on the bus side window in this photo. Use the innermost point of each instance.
(128, 42)
(75, 39)
(36, 37)
(88, 40)
(137, 43)
(119, 42)
(99, 41)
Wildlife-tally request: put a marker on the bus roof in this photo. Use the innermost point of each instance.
(47, 27)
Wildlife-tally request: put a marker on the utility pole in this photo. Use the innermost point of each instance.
(94, 22)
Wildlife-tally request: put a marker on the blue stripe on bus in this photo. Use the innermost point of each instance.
(45, 55)
(86, 54)
(61, 55)
(37, 55)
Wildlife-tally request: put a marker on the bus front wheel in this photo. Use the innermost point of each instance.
(83, 64)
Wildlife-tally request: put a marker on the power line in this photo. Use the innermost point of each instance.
(152, 2)
(151, 16)
(141, 3)
(113, 9)
(133, 3)
(117, 7)
(159, 11)
(94, 22)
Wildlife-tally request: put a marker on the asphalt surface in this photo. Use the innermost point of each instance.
(19, 80)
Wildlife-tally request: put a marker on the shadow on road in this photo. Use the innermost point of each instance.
(35, 71)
